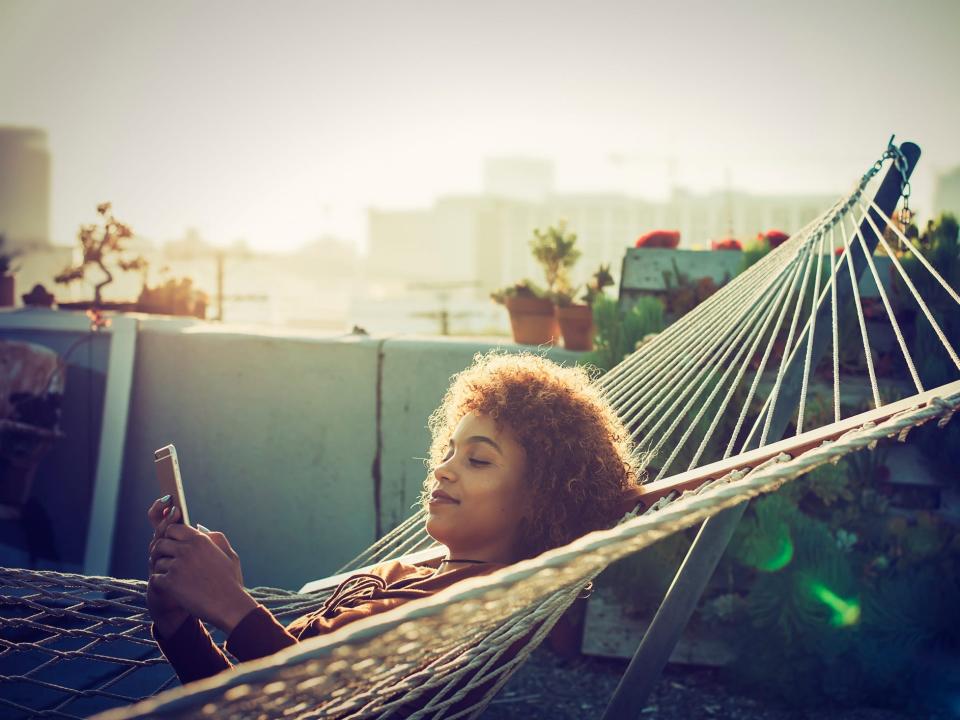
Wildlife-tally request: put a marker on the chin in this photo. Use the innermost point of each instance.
(439, 529)
(433, 528)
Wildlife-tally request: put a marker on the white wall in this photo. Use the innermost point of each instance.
(277, 435)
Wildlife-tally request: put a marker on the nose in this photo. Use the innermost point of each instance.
(444, 471)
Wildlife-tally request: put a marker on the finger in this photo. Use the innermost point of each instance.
(220, 540)
(181, 532)
(165, 547)
(155, 511)
(162, 565)
(151, 548)
(171, 517)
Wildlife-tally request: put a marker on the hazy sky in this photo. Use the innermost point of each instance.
(280, 121)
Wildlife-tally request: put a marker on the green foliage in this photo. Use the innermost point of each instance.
(523, 288)
(618, 333)
(940, 245)
(176, 296)
(600, 280)
(845, 603)
(641, 580)
(555, 249)
(682, 293)
(753, 251)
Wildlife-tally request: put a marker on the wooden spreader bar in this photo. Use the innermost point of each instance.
(649, 493)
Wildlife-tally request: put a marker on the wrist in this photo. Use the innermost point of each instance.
(235, 610)
(169, 623)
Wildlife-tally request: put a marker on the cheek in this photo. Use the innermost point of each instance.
(505, 502)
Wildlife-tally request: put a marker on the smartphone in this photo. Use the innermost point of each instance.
(168, 475)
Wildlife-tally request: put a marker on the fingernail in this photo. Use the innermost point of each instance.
(165, 499)
(173, 511)
(201, 528)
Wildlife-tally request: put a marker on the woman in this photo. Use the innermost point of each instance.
(526, 456)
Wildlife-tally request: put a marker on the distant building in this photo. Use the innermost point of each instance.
(946, 193)
(25, 187)
(518, 178)
(483, 239)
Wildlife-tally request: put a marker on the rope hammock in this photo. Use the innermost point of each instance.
(700, 400)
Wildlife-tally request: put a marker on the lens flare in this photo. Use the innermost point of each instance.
(845, 612)
(781, 557)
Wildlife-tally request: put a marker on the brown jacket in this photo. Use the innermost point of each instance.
(193, 654)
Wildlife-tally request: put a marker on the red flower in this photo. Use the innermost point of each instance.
(726, 244)
(659, 239)
(97, 320)
(775, 238)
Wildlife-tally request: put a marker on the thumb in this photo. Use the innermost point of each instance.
(218, 538)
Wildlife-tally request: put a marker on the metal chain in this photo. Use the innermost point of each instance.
(892, 152)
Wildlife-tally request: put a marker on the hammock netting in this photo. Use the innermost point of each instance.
(74, 645)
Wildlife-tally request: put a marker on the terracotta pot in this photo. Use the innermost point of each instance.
(6, 290)
(533, 321)
(576, 324)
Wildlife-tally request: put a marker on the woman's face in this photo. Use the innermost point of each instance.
(478, 493)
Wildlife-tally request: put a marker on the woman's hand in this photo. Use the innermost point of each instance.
(166, 612)
(201, 571)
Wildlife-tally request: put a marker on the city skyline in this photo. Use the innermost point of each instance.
(281, 128)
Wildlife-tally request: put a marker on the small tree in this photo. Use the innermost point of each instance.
(102, 246)
(555, 250)
(598, 281)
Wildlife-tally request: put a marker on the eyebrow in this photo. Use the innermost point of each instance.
(480, 439)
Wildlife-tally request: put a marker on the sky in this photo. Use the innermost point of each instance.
(282, 122)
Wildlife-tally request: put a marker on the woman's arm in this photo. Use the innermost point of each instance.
(201, 571)
(191, 651)
(194, 655)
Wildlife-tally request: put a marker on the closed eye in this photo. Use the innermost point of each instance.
(478, 463)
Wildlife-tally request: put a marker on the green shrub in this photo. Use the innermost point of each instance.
(845, 603)
(617, 333)
(753, 251)
(940, 245)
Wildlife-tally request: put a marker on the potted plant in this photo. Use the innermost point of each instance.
(174, 297)
(531, 313)
(576, 319)
(7, 283)
(556, 251)
(101, 247)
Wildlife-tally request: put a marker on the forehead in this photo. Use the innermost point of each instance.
(474, 423)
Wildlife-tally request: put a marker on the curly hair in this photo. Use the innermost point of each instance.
(578, 452)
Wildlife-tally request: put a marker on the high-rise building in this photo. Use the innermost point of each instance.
(24, 187)
(518, 178)
(946, 193)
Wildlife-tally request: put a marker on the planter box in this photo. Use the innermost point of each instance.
(610, 630)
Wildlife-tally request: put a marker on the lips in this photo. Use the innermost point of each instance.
(439, 496)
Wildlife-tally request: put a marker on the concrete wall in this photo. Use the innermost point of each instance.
(275, 437)
(278, 439)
